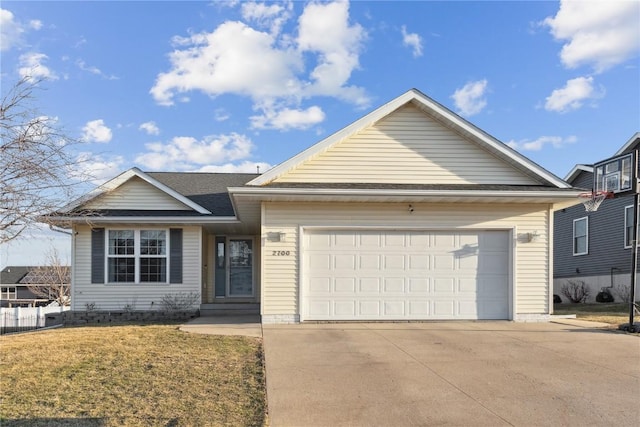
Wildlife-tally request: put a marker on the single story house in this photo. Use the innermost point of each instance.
(409, 213)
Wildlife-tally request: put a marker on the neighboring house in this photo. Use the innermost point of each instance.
(594, 247)
(14, 287)
(410, 212)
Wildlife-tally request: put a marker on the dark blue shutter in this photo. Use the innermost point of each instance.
(175, 255)
(97, 255)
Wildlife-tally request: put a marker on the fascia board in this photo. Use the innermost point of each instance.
(145, 219)
(258, 192)
(628, 144)
(576, 170)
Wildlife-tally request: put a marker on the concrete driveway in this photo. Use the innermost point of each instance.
(456, 373)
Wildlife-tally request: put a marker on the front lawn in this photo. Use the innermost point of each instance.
(131, 375)
(612, 313)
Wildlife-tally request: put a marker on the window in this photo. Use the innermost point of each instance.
(628, 226)
(8, 292)
(137, 256)
(581, 236)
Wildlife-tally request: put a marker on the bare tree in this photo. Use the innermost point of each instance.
(35, 162)
(52, 281)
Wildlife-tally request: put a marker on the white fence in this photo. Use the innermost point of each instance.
(18, 319)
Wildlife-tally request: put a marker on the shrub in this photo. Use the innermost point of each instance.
(623, 292)
(576, 291)
(604, 296)
(181, 301)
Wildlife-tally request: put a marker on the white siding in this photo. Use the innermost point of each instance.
(406, 147)
(143, 296)
(136, 194)
(281, 273)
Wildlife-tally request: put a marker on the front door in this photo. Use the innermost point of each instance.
(240, 272)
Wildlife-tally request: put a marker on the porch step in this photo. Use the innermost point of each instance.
(229, 309)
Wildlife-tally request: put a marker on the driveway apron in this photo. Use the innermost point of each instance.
(455, 373)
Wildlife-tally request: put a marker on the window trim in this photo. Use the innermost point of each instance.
(5, 293)
(627, 245)
(137, 256)
(586, 236)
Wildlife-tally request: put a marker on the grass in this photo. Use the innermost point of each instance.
(613, 313)
(131, 375)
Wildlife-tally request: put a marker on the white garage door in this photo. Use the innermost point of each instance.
(395, 275)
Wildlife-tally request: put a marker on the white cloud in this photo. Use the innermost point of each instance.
(95, 168)
(540, 143)
(187, 153)
(244, 167)
(271, 16)
(150, 128)
(269, 67)
(571, 97)
(94, 70)
(32, 66)
(287, 118)
(35, 24)
(470, 99)
(412, 40)
(220, 115)
(325, 30)
(234, 59)
(597, 33)
(96, 131)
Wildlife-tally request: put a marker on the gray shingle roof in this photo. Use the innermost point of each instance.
(209, 190)
(12, 274)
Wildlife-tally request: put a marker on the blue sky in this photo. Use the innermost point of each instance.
(228, 86)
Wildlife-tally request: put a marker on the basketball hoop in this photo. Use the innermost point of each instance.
(593, 199)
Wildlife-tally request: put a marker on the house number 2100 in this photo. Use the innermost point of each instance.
(281, 253)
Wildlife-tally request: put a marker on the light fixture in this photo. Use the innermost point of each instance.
(276, 236)
(532, 237)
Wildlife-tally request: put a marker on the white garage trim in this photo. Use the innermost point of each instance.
(400, 301)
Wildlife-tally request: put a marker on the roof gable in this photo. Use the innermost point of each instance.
(433, 163)
(406, 146)
(125, 191)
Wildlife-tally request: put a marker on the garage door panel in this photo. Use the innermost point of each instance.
(345, 285)
(319, 262)
(344, 261)
(419, 262)
(369, 285)
(393, 262)
(369, 262)
(443, 285)
(418, 286)
(369, 309)
(444, 262)
(368, 275)
(419, 309)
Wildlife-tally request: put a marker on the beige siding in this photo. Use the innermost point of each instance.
(280, 273)
(136, 194)
(406, 147)
(142, 296)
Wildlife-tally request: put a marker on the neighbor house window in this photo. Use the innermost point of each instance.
(580, 236)
(628, 226)
(137, 256)
(8, 292)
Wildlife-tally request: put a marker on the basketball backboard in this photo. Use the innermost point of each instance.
(617, 175)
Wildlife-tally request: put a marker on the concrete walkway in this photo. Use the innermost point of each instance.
(451, 373)
(246, 325)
